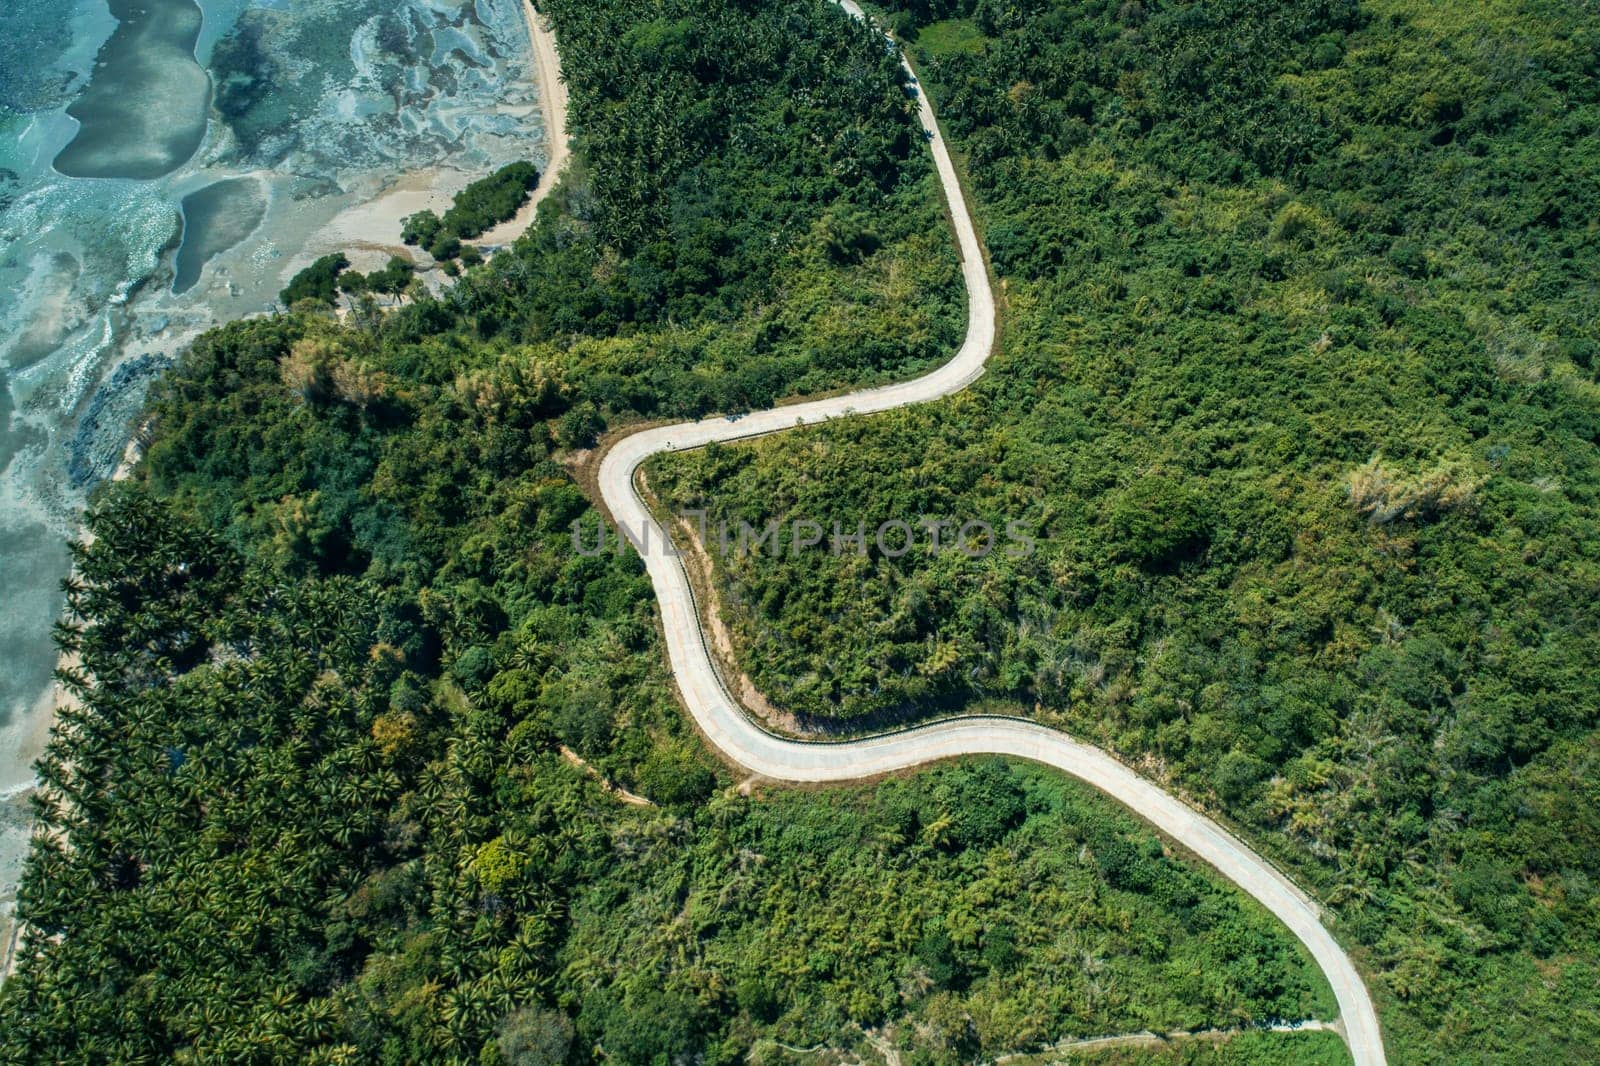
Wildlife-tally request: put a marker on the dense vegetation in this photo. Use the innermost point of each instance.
(476, 209)
(318, 282)
(1010, 906)
(394, 279)
(324, 280)
(1298, 393)
(331, 638)
(286, 847)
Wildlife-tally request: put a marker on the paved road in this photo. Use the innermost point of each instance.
(727, 727)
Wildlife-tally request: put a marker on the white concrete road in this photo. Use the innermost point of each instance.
(741, 740)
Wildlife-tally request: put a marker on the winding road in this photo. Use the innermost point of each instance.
(726, 725)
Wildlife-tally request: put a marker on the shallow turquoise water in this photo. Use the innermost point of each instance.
(289, 112)
(144, 111)
(215, 219)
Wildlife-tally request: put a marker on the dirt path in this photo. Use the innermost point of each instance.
(630, 798)
(1157, 1040)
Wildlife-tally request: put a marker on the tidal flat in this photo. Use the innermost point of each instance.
(215, 219)
(143, 114)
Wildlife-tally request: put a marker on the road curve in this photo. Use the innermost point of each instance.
(741, 740)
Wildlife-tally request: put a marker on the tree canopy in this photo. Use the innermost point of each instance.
(1297, 393)
(335, 656)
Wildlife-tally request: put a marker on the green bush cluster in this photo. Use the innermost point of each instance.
(476, 209)
(393, 280)
(318, 282)
(323, 281)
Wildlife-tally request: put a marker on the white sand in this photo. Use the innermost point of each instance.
(553, 102)
(369, 233)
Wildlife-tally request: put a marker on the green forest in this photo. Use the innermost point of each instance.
(336, 786)
(1297, 392)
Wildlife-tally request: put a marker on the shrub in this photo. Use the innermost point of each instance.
(984, 802)
(421, 228)
(318, 282)
(580, 426)
(1156, 521)
(1383, 496)
(444, 247)
(490, 201)
(675, 778)
(534, 1036)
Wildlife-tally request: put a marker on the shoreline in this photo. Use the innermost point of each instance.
(413, 191)
(59, 699)
(368, 233)
(553, 107)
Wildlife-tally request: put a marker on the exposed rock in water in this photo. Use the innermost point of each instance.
(107, 423)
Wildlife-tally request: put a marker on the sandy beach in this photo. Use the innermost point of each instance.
(369, 232)
(553, 105)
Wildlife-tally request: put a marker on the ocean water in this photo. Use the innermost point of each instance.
(166, 165)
